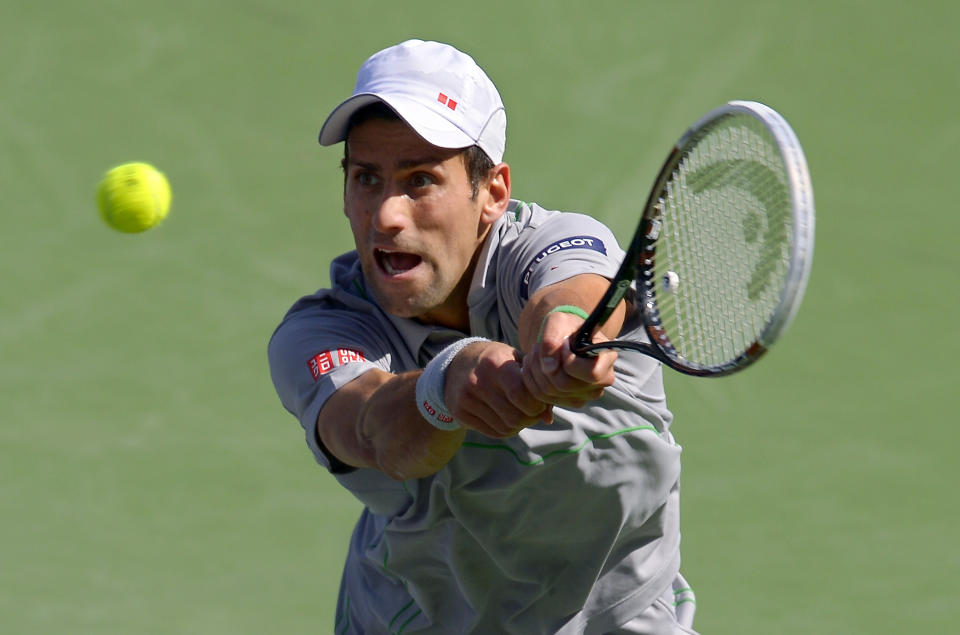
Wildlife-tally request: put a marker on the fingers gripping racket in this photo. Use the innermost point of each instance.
(721, 257)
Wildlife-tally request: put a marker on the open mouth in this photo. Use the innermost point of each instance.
(396, 262)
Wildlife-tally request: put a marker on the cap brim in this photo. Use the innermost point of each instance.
(430, 125)
(334, 129)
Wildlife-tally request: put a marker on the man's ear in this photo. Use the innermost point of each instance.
(497, 196)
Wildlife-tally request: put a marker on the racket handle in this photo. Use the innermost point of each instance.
(581, 345)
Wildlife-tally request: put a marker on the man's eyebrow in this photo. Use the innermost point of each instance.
(402, 164)
(405, 164)
(363, 165)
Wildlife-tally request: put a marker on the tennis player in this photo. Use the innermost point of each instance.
(508, 485)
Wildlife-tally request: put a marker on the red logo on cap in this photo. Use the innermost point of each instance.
(443, 99)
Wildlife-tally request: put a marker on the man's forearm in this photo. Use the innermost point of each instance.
(583, 291)
(373, 422)
(397, 439)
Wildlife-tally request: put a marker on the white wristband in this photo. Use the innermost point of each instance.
(432, 382)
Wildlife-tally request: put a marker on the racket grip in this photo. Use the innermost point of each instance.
(580, 345)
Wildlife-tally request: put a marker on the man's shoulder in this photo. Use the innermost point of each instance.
(523, 220)
(345, 272)
(555, 243)
(534, 231)
(346, 282)
(522, 215)
(346, 298)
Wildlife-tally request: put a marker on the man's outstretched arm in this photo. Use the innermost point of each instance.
(374, 421)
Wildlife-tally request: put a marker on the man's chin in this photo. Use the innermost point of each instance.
(398, 302)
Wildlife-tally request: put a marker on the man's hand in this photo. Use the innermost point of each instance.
(553, 374)
(485, 391)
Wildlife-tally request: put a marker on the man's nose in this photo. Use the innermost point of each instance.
(393, 211)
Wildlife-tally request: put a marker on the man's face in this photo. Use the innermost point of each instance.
(416, 224)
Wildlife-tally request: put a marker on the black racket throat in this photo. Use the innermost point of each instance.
(583, 342)
(622, 287)
(647, 232)
(659, 353)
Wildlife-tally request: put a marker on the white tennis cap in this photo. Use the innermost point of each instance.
(439, 91)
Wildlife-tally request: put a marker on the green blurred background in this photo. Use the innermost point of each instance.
(150, 481)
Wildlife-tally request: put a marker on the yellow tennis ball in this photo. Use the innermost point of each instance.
(134, 197)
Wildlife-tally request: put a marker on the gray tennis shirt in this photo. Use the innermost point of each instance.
(566, 528)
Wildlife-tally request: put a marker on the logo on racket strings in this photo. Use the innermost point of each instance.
(762, 225)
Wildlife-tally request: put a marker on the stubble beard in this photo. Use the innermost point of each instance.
(426, 295)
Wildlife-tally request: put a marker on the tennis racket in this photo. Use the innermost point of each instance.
(719, 263)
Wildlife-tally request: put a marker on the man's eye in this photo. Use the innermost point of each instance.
(421, 180)
(367, 179)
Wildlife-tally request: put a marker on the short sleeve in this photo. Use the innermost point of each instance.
(562, 246)
(315, 351)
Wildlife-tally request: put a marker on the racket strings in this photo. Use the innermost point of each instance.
(723, 256)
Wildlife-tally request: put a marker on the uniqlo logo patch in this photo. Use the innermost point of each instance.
(323, 363)
(446, 101)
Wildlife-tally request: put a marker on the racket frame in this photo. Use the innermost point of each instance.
(640, 257)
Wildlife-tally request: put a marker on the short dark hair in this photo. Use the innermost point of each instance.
(475, 160)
